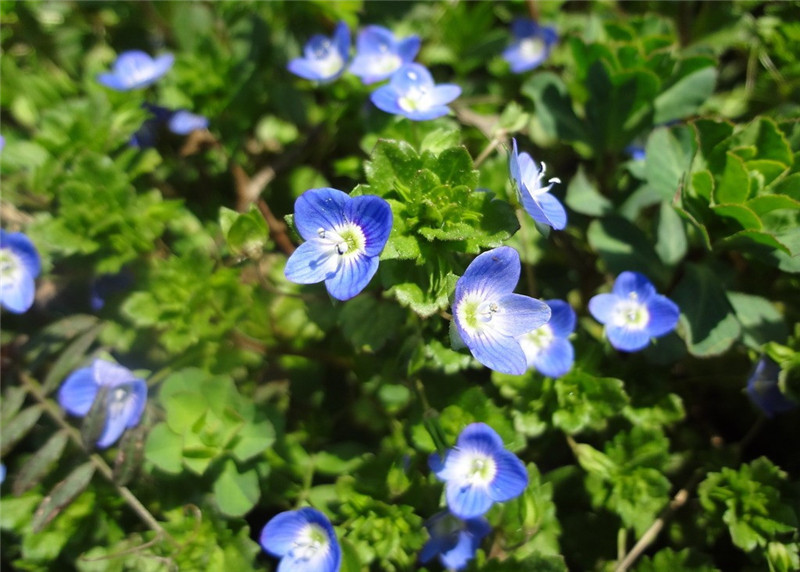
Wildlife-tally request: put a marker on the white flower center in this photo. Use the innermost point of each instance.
(536, 187)
(346, 240)
(475, 314)
(631, 313)
(385, 63)
(9, 266)
(531, 48)
(537, 340)
(476, 469)
(116, 400)
(328, 60)
(310, 542)
(416, 98)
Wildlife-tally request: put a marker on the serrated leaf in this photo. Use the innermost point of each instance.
(16, 429)
(733, 183)
(39, 463)
(586, 402)
(236, 492)
(61, 495)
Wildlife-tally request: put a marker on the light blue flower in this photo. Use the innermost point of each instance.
(412, 94)
(531, 47)
(304, 540)
(19, 267)
(344, 236)
(764, 391)
(454, 540)
(478, 472)
(636, 152)
(634, 312)
(379, 54)
(184, 122)
(548, 348)
(2, 473)
(489, 318)
(135, 69)
(324, 58)
(125, 398)
(536, 199)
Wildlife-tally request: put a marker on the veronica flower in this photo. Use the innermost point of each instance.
(344, 236)
(324, 58)
(125, 397)
(2, 473)
(531, 47)
(764, 391)
(489, 318)
(548, 348)
(636, 152)
(19, 267)
(304, 540)
(454, 540)
(634, 312)
(479, 472)
(379, 54)
(183, 122)
(412, 94)
(536, 199)
(135, 69)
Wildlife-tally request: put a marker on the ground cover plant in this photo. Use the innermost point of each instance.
(391, 286)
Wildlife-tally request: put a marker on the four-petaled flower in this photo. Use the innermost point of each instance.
(548, 348)
(344, 236)
(454, 540)
(304, 540)
(412, 94)
(489, 318)
(764, 391)
(184, 122)
(125, 397)
(532, 45)
(379, 54)
(479, 472)
(135, 69)
(19, 267)
(634, 312)
(324, 58)
(535, 199)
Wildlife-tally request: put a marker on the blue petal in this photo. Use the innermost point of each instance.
(162, 65)
(511, 477)
(562, 318)
(437, 464)
(513, 165)
(341, 39)
(321, 208)
(628, 282)
(312, 262)
(113, 81)
(184, 122)
(433, 112)
(17, 292)
(436, 545)
(491, 275)
(78, 391)
(120, 416)
(556, 359)
(528, 172)
(519, 314)
(602, 307)
(626, 339)
(408, 48)
(545, 209)
(664, 314)
(353, 275)
(307, 69)
(497, 352)
(373, 215)
(386, 99)
(467, 502)
(444, 93)
(411, 76)
(523, 28)
(371, 38)
(479, 438)
(111, 374)
(459, 555)
(2, 473)
(279, 534)
(478, 528)
(24, 249)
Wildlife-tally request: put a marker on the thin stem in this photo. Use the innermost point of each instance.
(499, 136)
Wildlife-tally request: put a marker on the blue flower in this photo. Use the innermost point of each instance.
(548, 348)
(479, 472)
(764, 391)
(135, 69)
(531, 47)
(344, 236)
(636, 152)
(125, 397)
(454, 540)
(107, 285)
(183, 122)
(633, 312)
(324, 58)
(2, 473)
(304, 540)
(19, 267)
(379, 54)
(489, 318)
(535, 199)
(412, 93)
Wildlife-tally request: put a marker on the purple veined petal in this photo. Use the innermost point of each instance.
(491, 275)
(511, 477)
(373, 215)
(444, 93)
(519, 314)
(408, 48)
(184, 122)
(664, 314)
(438, 465)
(124, 407)
(317, 209)
(556, 359)
(467, 501)
(628, 282)
(602, 307)
(534, 208)
(279, 534)
(479, 438)
(627, 339)
(386, 99)
(562, 318)
(552, 210)
(411, 76)
(78, 391)
(353, 275)
(111, 374)
(312, 262)
(500, 353)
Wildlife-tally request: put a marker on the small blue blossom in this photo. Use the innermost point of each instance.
(537, 201)
(304, 540)
(2, 142)
(489, 318)
(479, 472)
(19, 267)
(634, 312)
(135, 69)
(454, 540)
(548, 348)
(764, 391)
(324, 58)
(636, 152)
(184, 122)
(344, 236)
(379, 54)
(531, 47)
(125, 398)
(2, 473)
(412, 94)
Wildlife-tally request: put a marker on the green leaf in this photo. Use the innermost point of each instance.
(440, 139)
(586, 402)
(584, 197)
(392, 165)
(622, 246)
(684, 97)
(733, 184)
(554, 107)
(236, 492)
(761, 321)
(671, 242)
(247, 234)
(668, 154)
(63, 494)
(36, 467)
(368, 323)
(164, 449)
(17, 427)
(253, 439)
